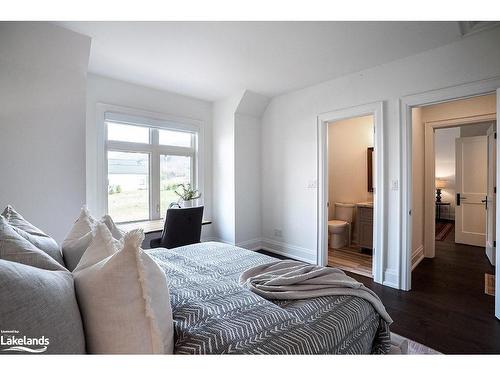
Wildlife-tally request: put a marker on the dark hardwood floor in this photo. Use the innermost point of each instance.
(447, 308)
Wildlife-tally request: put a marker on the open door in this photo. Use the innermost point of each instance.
(497, 222)
(471, 181)
(491, 195)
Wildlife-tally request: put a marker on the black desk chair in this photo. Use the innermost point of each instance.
(182, 227)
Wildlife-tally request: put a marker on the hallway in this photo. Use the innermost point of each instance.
(447, 308)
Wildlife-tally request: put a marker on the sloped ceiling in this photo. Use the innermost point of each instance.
(211, 60)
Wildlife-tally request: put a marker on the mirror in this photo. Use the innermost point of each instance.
(369, 164)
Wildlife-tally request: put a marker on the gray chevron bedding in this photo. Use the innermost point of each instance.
(214, 314)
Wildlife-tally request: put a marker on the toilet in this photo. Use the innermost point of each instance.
(339, 229)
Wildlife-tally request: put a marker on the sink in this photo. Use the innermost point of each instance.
(365, 204)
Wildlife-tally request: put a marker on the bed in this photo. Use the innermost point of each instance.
(214, 314)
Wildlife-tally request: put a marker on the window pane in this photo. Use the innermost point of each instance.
(174, 138)
(128, 186)
(174, 170)
(127, 133)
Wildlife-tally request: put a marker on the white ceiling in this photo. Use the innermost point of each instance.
(212, 60)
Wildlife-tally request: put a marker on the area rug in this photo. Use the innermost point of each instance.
(403, 345)
(442, 230)
(489, 284)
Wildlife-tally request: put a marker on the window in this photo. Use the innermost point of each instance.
(128, 186)
(174, 170)
(145, 163)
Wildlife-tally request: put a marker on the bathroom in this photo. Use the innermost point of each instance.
(350, 194)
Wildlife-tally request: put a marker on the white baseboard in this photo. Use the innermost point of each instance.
(417, 256)
(287, 250)
(211, 239)
(391, 278)
(253, 244)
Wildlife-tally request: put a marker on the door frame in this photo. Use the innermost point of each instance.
(492, 132)
(430, 171)
(376, 110)
(468, 90)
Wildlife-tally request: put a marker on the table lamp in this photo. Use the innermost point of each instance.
(440, 184)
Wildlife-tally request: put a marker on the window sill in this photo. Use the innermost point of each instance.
(150, 226)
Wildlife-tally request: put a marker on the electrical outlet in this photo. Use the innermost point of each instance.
(313, 184)
(278, 233)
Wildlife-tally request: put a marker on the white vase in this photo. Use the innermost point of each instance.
(188, 204)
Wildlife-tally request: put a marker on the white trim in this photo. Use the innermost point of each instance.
(417, 257)
(157, 120)
(391, 278)
(288, 250)
(472, 89)
(211, 239)
(379, 227)
(253, 244)
(275, 247)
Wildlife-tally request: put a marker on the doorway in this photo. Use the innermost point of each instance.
(351, 254)
(350, 194)
(453, 209)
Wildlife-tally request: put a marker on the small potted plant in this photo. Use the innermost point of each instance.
(187, 195)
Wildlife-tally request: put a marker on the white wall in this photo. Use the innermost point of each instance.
(223, 168)
(110, 91)
(289, 137)
(444, 146)
(42, 123)
(475, 130)
(236, 168)
(247, 177)
(348, 141)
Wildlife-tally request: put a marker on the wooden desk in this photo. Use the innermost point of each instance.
(149, 226)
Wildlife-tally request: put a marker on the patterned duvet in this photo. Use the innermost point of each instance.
(214, 314)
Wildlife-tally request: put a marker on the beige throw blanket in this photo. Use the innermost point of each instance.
(290, 279)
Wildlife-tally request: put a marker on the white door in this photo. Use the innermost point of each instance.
(491, 195)
(497, 221)
(471, 174)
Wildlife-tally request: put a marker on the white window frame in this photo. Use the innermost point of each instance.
(152, 120)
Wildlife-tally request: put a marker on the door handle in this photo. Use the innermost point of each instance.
(485, 200)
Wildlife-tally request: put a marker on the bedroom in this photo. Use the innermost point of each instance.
(114, 116)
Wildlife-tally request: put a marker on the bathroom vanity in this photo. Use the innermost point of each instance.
(364, 218)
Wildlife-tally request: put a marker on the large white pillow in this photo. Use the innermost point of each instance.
(81, 235)
(123, 297)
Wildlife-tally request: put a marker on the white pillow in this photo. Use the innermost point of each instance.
(123, 297)
(101, 246)
(81, 235)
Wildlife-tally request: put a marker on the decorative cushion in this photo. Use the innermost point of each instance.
(123, 297)
(81, 235)
(41, 305)
(116, 232)
(103, 245)
(34, 235)
(15, 248)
